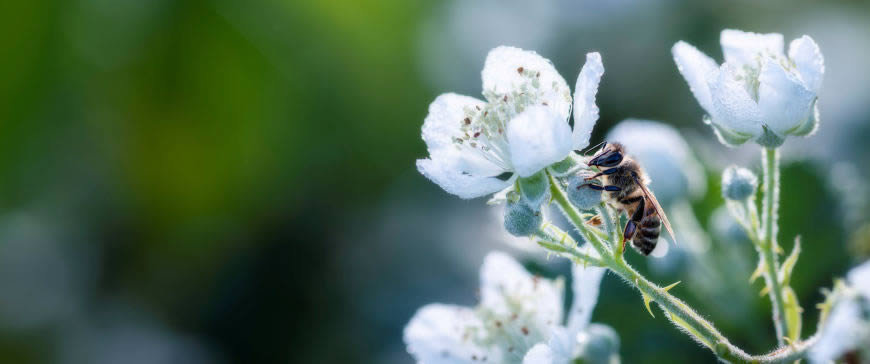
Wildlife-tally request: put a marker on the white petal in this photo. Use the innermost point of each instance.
(443, 125)
(501, 76)
(539, 354)
(585, 286)
(503, 280)
(445, 119)
(563, 345)
(842, 332)
(733, 109)
(859, 277)
(445, 169)
(784, 102)
(441, 333)
(805, 54)
(585, 110)
(742, 48)
(537, 137)
(697, 68)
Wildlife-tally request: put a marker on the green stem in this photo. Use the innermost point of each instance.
(677, 311)
(767, 248)
(576, 218)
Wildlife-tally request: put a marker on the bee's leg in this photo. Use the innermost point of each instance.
(592, 186)
(633, 222)
(599, 174)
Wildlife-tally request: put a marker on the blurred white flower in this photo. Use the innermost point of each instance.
(519, 319)
(759, 92)
(847, 328)
(666, 157)
(477, 148)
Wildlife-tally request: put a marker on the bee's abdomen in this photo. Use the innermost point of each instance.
(647, 236)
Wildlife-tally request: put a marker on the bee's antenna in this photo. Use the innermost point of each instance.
(594, 147)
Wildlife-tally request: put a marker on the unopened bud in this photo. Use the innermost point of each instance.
(581, 194)
(738, 183)
(520, 219)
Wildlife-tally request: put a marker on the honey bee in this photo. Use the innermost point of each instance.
(626, 182)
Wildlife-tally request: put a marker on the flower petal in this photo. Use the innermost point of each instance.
(733, 109)
(539, 354)
(537, 137)
(697, 68)
(585, 110)
(445, 169)
(445, 118)
(506, 284)
(741, 48)
(587, 281)
(843, 331)
(810, 125)
(440, 333)
(504, 69)
(805, 53)
(784, 102)
(859, 277)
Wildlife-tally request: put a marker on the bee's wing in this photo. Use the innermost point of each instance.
(652, 198)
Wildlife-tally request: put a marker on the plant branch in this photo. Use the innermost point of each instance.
(677, 311)
(768, 247)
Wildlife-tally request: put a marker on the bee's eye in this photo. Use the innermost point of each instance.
(611, 160)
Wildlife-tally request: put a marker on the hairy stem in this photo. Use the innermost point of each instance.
(768, 247)
(677, 311)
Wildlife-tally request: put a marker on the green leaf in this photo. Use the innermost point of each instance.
(535, 189)
(789, 263)
(792, 314)
(566, 166)
(758, 271)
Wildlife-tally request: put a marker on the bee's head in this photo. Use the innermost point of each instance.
(609, 156)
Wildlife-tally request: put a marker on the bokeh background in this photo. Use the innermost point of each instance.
(217, 181)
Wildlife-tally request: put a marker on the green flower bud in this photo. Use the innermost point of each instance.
(520, 219)
(738, 183)
(581, 195)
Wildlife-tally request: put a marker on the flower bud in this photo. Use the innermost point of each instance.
(738, 183)
(598, 344)
(520, 219)
(581, 195)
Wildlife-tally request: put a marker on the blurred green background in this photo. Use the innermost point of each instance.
(234, 182)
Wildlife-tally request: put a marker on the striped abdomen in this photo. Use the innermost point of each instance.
(647, 234)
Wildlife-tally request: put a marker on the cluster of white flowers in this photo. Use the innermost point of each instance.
(519, 319)
(519, 138)
(759, 92)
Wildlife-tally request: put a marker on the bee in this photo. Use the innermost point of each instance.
(626, 182)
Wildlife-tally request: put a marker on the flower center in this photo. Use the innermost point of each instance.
(748, 73)
(484, 128)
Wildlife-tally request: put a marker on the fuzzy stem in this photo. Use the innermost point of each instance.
(680, 314)
(767, 248)
(576, 218)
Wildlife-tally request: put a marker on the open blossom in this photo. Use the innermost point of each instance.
(519, 319)
(759, 92)
(846, 331)
(478, 147)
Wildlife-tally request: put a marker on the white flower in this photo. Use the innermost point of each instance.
(481, 147)
(847, 328)
(759, 92)
(519, 319)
